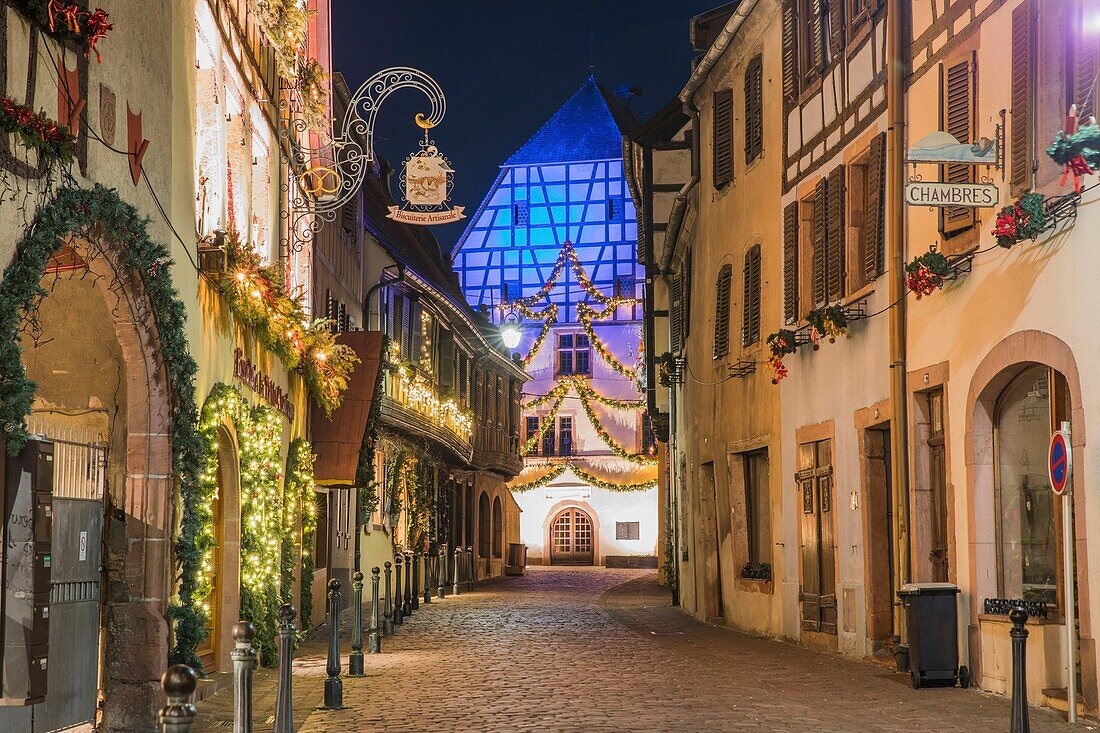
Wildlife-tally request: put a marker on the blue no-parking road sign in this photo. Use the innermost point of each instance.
(1059, 462)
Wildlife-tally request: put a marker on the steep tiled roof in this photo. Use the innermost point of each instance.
(589, 126)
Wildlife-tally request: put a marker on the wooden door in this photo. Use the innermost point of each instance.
(571, 539)
(937, 469)
(818, 545)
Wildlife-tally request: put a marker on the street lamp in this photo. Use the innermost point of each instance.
(510, 330)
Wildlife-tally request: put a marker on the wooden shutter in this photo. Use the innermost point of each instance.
(723, 137)
(790, 262)
(722, 312)
(834, 235)
(874, 219)
(1023, 54)
(827, 599)
(1085, 60)
(958, 114)
(790, 53)
(836, 28)
(817, 36)
(676, 313)
(810, 594)
(416, 340)
(754, 109)
(446, 358)
(750, 310)
(819, 240)
(403, 324)
(685, 296)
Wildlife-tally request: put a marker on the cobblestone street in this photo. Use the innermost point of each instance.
(602, 650)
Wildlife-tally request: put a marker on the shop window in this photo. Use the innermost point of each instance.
(758, 507)
(1028, 527)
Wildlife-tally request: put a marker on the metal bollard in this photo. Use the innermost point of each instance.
(398, 613)
(406, 607)
(334, 686)
(374, 640)
(387, 613)
(355, 659)
(416, 581)
(469, 567)
(458, 570)
(178, 683)
(441, 591)
(427, 577)
(284, 694)
(1019, 722)
(244, 662)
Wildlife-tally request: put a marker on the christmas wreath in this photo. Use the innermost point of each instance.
(1022, 220)
(927, 273)
(828, 321)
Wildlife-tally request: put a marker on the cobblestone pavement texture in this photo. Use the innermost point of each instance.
(595, 650)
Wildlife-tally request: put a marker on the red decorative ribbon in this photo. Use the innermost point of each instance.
(1076, 167)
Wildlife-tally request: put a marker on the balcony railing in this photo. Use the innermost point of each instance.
(412, 390)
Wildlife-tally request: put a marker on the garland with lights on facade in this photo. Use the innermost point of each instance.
(420, 397)
(66, 20)
(258, 298)
(53, 142)
(829, 320)
(285, 23)
(549, 317)
(299, 491)
(586, 314)
(583, 387)
(1023, 219)
(609, 440)
(583, 475)
(531, 444)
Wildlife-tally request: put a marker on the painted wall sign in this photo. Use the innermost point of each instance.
(935, 193)
(261, 384)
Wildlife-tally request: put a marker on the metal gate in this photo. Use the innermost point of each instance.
(571, 539)
(80, 459)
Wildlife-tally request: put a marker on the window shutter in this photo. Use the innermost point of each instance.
(819, 238)
(722, 312)
(834, 235)
(817, 36)
(874, 220)
(754, 109)
(1022, 80)
(750, 325)
(790, 263)
(446, 358)
(790, 53)
(415, 335)
(403, 325)
(685, 296)
(676, 313)
(1084, 71)
(958, 93)
(723, 137)
(836, 28)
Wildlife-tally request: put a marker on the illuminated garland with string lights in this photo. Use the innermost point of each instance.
(416, 392)
(285, 23)
(581, 385)
(300, 490)
(53, 141)
(258, 298)
(558, 470)
(532, 443)
(586, 314)
(548, 317)
(609, 439)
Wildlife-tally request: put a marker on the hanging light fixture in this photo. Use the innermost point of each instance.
(511, 330)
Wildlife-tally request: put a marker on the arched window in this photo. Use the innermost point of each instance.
(498, 528)
(1028, 533)
(722, 312)
(483, 526)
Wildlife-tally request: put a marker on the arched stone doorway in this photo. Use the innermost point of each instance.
(92, 237)
(572, 538)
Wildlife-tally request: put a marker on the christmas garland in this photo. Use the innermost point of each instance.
(1024, 219)
(1076, 149)
(830, 320)
(589, 478)
(257, 296)
(300, 490)
(549, 316)
(586, 314)
(285, 23)
(65, 20)
(609, 440)
(531, 444)
(927, 273)
(582, 386)
(38, 132)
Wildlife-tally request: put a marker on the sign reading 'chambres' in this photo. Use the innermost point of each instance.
(935, 193)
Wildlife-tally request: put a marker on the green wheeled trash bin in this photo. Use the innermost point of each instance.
(932, 620)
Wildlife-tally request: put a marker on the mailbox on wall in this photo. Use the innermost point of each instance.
(25, 553)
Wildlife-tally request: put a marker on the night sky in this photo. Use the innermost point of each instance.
(505, 67)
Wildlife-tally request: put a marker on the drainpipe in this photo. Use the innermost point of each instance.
(378, 286)
(895, 238)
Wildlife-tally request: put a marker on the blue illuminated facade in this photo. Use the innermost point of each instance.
(565, 183)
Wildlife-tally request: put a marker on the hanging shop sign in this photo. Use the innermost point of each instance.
(944, 194)
(942, 147)
(245, 370)
(426, 182)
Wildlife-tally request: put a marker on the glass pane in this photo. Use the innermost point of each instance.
(824, 453)
(582, 365)
(760, 528)
(936, 410)
(1029, 546)
(565, 341)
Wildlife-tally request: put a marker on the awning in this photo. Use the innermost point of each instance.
(337, 439)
